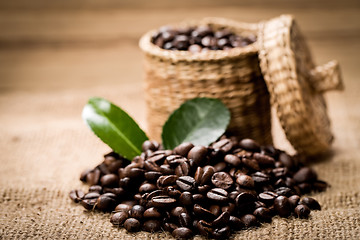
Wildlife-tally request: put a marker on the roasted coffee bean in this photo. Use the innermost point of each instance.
(154, 193)
(103, 169)
(283, 191)
(259, 204)
(250, 163)
(109, 180)
(222, 180)
(320, 186)
(215, 209)
(304, 187)
(245, 201)
(267, 197)
(221, 233)
(263, 214)
(282, 206)
(183, 149)
(125, 182)
(150, 145)
(93, 177)
(162, 201)
(286, 160)
(207, 175)
(89, 200)
(152, 166)
(119, 218)
(152, 176)
(198, 198)
(245, 181)
(132, 225)
(280, 172)
(152, 225)
(249, 220)
(175, 160)
(122, 207)
(170, 227)
(198, 175)
(232, 160)
(106, 202)
(217, 195)
(135, 172)
(264, 160)
(76, 195)
(166, 180)
(225, 145)
(175, 212)
(185, 220)
(186, 183)
(198, 154)
(166, 169)
(311, 203)
(220, 167)
(249, 145)
(172, 192)
(204, 228)
(182, 233)
(230, 208)
(302, 211)
(84, 174)
(183, 169)
(305, 174)
(294, 201)
(203, 213)
(235, 223)
(152, 213)
(147, 187)
(260, 178)
(95, 188)
(137, 212)
(221, 220)
(186, 199)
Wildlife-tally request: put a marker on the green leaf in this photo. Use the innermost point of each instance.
(114, 127)
(200, 121)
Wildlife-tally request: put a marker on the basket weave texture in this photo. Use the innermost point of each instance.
(233, 76)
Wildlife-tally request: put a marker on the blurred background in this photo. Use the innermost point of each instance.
(56, 54)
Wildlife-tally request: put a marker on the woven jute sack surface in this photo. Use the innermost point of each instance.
(44, 151)
(233, 76)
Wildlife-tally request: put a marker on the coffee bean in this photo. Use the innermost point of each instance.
(302, 211)
(119, 218)
(106, 202)
(170, 227)
(123, 208)
(137, 212)
(250, 163)
(282, 206)
(305, 174)
(194, 48)
(152, 176)
(245, 181)
(186, 183)
(182, 233)
(183, 169)
(220, 167)
(162, 201)
(147, 187)
(166, 180)
(183, 149)
(150, 145)
(286, 160)
(204, 188)
(222, 180)
(175, 160)
(245, 200)
(203, 213)
(221, 233)
(172, 192)
(260, 178)
(154, 194)
(232, 160)
(132, 225)
(230, 207)
(267, 197)
(249, 220)
(250, 145)
(186, 199)
(185, 220)
(320, 186)
(263, 214)
(215, 209)
(311, 203)
(93, 177)
(283, 191)
(152, 225)
(294, 201)
(280, 172)
(76, 195)
(221, 220)
(225, 145)
(175, 212)
(264, 160)
(235, 223)
(217, 195)
(95, 188)
(198, 175)
(152, 213)
(204, 228)
(89, 200)
(198, 154)
(109, 180)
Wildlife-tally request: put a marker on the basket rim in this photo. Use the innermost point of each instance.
(175, 55)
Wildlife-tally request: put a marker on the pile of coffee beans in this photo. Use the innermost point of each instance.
(212, 191)
(199, 39)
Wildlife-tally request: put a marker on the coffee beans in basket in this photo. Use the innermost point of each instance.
(212, 191)
(199, 39)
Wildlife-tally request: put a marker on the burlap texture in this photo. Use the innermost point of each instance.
(44, 146)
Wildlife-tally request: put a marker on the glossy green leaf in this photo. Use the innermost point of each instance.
(114, 127)
(200, 121)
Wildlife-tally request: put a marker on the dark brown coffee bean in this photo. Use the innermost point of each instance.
(204, 189)
(282, 206)
(220, 167)
(280, 172)
(166, 169)
(170, 227)
(250, 163)
(183, 169)
(95, 188)
(264, 160)
(232, 160)
(311, 203)
(182, 233)
(215, 209)
(147, 187)
(203, 213)
(175, 160)
(152, 176)
(207, 175)
(185, 220)
(84, 174)
(225, 145)
(135, 172)
(286, 160)
(186, 183)
(76, 195)
(249, 220)
(123, 208)
(217, 195)
(204, 228)
(294, 201)
(260, 178)
(93, 177)
(305, 174)
(162, 201)
(304, 187)
(109, 180)
(152, 225)
(175, 212)
(119, 218)
(284, 191)
(137, 212)
(263, 214)
(230, 208)
(166, 180)
(245, 181)
(157, 157)
(222, 180)
(198, 154)
(183, 149)
(152, 213)
(132, 225)
(186, 199)
(154, 193)
(150, 145)
(302, 211)
(267, 197)
(320, 186)
(250, 145)
(106, 202)
(245, 200)
(198, 175)
(235, 223)
(221, 220)
(172, 192)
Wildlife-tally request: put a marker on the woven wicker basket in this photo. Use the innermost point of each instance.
(234, 76)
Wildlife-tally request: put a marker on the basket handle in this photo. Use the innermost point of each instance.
(327, 77)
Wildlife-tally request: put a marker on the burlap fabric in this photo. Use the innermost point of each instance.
(44, 146)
